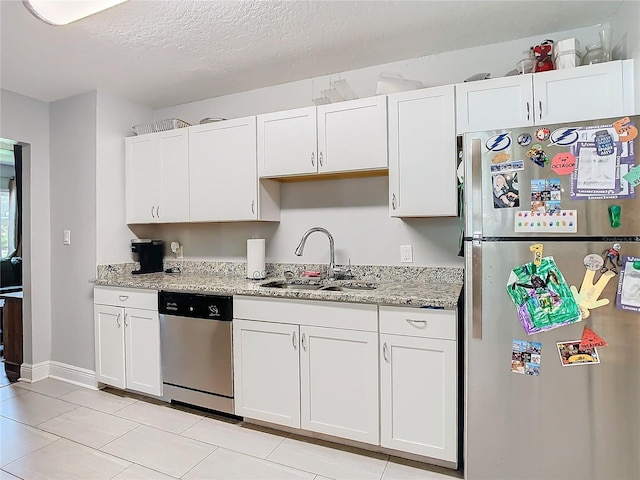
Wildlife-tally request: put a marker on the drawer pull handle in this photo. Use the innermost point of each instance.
(417, 323)
(118, 320)
(293, 340)
(385, 355)
(123, 297)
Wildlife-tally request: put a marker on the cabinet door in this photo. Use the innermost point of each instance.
(173, 191)
(352, 135)
(287, 143)
(575, 94)
(266, 371)
(142, 178)
(109, 328)
(142, 332)
(495, 103)
(422, 153)
(222, 171)
(339, 383)
(418, 398)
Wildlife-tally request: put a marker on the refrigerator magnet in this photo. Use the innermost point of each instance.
(563, 137)
(506, 193)
(543, 134)
(571, 354)
(563, 163)
(524, 139)
(593, 261)
(591, 339)
(525, 357)
(626, 129)
(628, 294)
(499, 142)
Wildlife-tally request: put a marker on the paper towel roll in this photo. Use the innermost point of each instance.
(255, 258)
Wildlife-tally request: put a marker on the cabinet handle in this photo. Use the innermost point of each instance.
(123, 297)
(384, 352)
(393, 201)
(417, 323)
(320, 159)
(293, 340)
(540, 105)
(313, 159)
(126, 315)
(118, 320)
(528, 111)
(158, 211)
(253, 207)
(152, 215)
(304, 343)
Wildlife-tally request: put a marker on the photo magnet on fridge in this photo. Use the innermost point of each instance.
(571, 354)
(506, 193)
(525, 357)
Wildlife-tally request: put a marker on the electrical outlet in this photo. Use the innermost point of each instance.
(406, 253)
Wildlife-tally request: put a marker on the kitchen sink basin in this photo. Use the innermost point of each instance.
(346, 288)
(292, 286)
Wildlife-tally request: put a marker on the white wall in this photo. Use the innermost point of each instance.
(356, 210)
(73, 207)
(115, 117)
(27, 120)
(626, 39)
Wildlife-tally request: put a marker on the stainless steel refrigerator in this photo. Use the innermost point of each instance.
(580, 421)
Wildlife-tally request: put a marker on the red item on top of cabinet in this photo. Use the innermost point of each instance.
(544, 56)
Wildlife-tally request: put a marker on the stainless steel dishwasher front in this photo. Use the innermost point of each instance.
(196, 349)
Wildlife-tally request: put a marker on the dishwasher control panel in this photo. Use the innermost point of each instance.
(196, 305)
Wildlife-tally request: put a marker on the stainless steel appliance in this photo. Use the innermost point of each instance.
(577, 422)
(150, 255)
(195, 344)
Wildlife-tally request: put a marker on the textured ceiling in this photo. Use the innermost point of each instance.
(162, 53)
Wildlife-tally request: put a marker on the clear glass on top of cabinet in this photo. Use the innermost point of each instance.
(422, 153)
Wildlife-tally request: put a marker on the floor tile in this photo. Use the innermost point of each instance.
(66, 460)
(89, 427)
(11, 391)
(227, 465)
(329, 460)
(7, 476)
(98, 400)
(238, 437)
(49, 387)
(138, 472)
(159, 450)
(159, 416)
(33, 408)
(18, 440)
(400, 469)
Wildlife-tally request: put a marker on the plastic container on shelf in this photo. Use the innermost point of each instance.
(595, 54)
(160, 126)
(566, 53)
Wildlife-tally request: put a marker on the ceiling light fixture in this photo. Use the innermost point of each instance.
(63, 12)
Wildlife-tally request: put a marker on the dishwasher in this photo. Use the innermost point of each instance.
(196, 349)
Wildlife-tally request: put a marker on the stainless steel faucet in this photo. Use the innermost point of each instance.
(332, 256)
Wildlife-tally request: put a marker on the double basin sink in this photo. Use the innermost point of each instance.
(342, 287)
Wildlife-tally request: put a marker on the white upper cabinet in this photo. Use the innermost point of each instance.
(352, 136)
(422, 153)
(347, 136)
(491, 104)
(287, 143)
(157, 177)
(574, 94)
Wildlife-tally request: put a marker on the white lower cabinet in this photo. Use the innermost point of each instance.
(127, 330)
(294, 366)
(339, 382)
(418, 382)
(267, 371)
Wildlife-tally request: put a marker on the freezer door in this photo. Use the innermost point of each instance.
(496, 218)
(573, 422)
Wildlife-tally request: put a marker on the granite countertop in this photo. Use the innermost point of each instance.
(435, 293)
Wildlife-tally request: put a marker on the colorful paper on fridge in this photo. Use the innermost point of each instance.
(628, 294)
(542, 297)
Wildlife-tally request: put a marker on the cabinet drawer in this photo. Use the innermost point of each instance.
(126, 297)
(416, 322)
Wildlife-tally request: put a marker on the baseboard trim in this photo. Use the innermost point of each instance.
(72, 374)
(34, 372)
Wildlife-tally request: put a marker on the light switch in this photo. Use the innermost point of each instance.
(67, 237)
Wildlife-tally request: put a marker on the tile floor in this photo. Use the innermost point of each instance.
(55, 430)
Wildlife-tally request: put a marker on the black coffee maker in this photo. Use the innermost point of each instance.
(150, 255)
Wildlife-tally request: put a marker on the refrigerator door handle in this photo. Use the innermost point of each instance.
(476, 292)
(475, 229)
